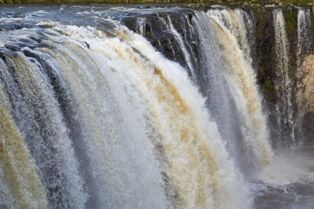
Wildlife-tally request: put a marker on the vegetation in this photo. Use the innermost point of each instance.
(261, 2)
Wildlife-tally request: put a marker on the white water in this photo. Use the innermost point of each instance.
(289, 166)
(283, 83)
(20, 185)
(238, 24)
(105, 121)
(148, 141)
(240, 77)
(140, 25)
(117, 141)
(304, 44)
(52, 149)
(304, 47)
(174, 107)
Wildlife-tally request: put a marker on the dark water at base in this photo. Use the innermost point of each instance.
(296, 165)
(293, 196)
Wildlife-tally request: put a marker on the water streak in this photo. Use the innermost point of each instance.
(21, 186)
(283, 84)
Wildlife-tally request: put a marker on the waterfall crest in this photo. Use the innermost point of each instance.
(242, 80)
(237, 73)
(239, 23)
(161, 108)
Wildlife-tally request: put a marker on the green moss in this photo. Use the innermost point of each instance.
(268, 86)
(290, 22)
(148, 33)
(291, 30)
(269, 89)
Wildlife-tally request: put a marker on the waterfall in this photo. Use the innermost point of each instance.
(239, 23)
(20, 184)
(304, 47)
(212, 85)
(304, 44)
(231, 81)
(41, 121)
(283, 83)
(111, 123)
(140, 25)
(153, 107)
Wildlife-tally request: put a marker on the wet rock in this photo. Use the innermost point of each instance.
(305, 99)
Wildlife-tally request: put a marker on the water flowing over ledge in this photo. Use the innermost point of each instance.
(164, 107)
(225, 2)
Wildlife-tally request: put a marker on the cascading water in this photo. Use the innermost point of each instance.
(238, 93)
(239, 23)
(304, 45)
(20, 183)
(124, 107)
(292, 168)
(283, 83)
(93, 116)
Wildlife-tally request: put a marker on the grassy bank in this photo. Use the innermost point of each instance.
(262, 2)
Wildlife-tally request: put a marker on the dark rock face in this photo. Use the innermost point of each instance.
(156, 28)
(307, 125)
(265, 61)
